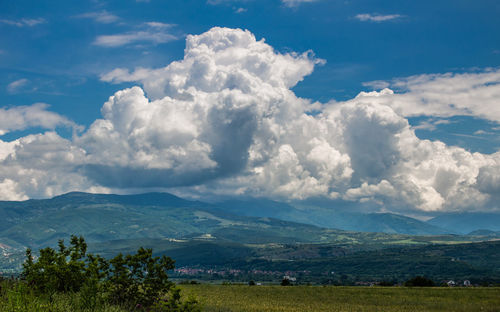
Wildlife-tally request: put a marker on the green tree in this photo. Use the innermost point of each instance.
(138, 280)
(57, 271)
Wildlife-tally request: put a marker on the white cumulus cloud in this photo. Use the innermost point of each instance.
(36, 115)
(223, 120)
(9, 190)
(43, 165)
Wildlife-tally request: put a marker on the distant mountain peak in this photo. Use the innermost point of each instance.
(157, 195)
(75, 194)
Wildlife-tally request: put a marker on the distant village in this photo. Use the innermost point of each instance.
(235, 272)
(294, 277)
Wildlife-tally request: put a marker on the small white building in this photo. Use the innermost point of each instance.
(451, 283)
(467, 283)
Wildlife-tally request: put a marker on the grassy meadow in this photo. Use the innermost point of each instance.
(236, 298)
(17, 297)
(239, 298)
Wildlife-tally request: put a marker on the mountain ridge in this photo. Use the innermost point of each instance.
(466, 222)
(331, 218)
(104, 217)
(193, 232)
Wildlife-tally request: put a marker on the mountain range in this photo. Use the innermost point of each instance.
(230, 233)
(330, 217)
(102, 217)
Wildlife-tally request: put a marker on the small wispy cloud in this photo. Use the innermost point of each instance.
(294, 3)
(431, 124)
(240, 10)
(470, 136)
(216, 2)
(287, 3)
(18, 85)
(103, 17)
(24, 22)
(227, 2)
(154, 32)
(159, 25)
(493, 131)
(376, 84)
(377, 17)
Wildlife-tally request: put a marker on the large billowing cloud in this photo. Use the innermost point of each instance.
(206, 117)
(223, 120)
(41, 165)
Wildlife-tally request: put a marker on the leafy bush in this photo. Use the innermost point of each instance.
(419, 281)
(139, 278)
(173, 303)
(188, 282)
(57, 271)
(132, 281)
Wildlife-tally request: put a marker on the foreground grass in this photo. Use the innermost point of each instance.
(18, 297)
(235, 298)
(316, 298)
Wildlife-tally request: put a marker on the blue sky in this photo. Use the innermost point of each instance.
(61, 63)
(57, 52)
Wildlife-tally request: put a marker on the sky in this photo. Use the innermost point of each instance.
(389, 105)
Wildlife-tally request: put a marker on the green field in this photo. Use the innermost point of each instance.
(237, 298)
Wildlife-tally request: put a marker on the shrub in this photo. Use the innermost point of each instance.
(140, 278)
(57, 271)
(131, 281)
(419, 281)
(173, 303)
